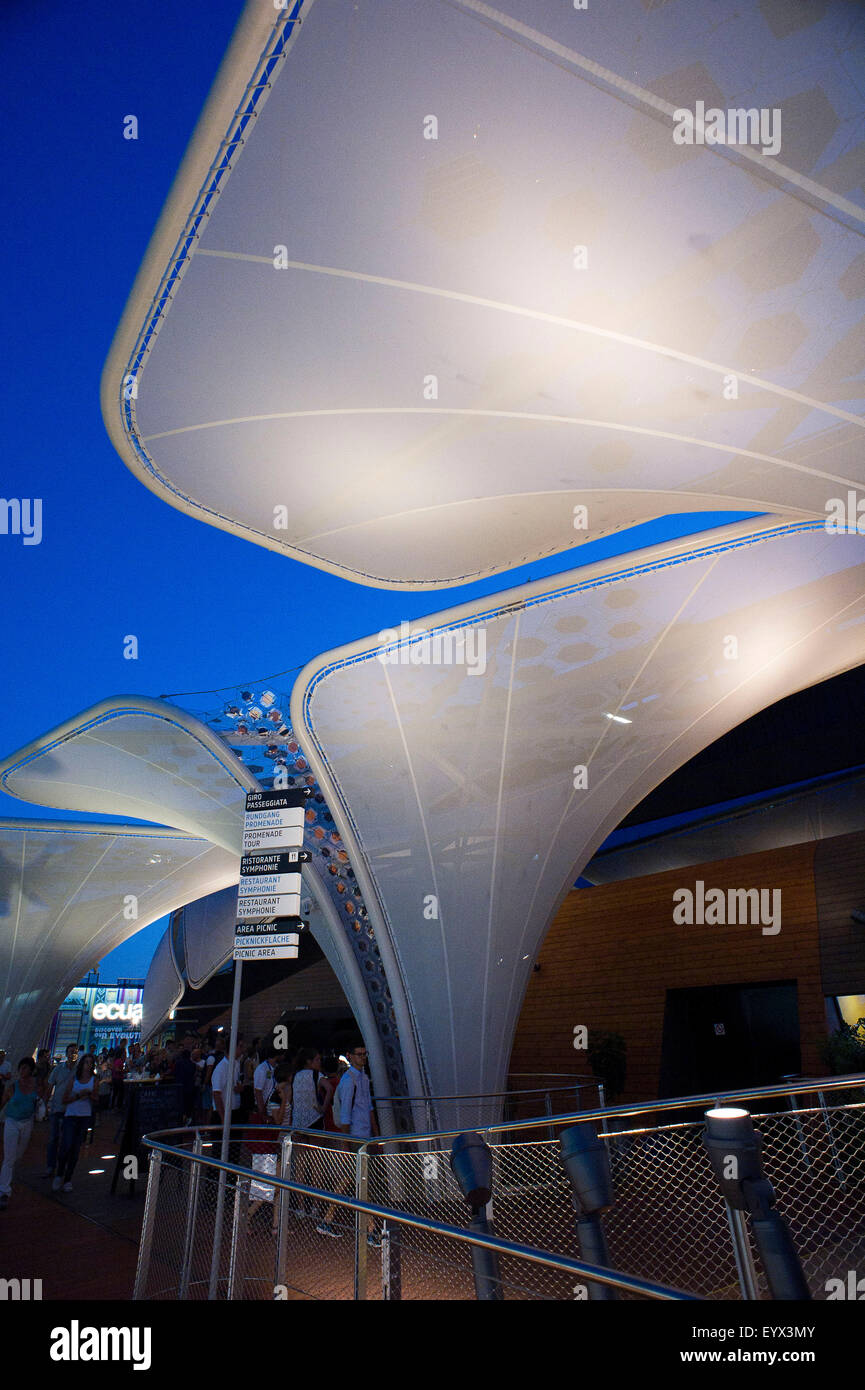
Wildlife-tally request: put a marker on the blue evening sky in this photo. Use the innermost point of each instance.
(81, 204)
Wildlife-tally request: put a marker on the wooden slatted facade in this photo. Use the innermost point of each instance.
(614, 951)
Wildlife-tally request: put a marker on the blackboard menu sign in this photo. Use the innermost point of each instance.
(150, 1106)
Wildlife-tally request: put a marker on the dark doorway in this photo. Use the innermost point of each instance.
(724, 1037)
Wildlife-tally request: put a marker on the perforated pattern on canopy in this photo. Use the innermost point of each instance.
(462, 797)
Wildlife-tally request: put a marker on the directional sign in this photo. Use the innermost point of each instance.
(275, 800)
(282, 816)
(274, 927)
(285, 938)
(281, 862)
(275, 905)
(273, 838)
(263, 885)
(265, 953)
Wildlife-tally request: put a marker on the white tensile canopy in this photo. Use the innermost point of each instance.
(132, 756)
(453, 294)
(474, 771)
(70, 892)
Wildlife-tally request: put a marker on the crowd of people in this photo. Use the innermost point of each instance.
(269, 1088)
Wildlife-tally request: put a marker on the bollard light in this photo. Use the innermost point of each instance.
(586, 1162)
(472, 1166)
(735, 1150)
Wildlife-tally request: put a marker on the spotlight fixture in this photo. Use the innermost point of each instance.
(586, 1162)
(472, 1166)
(735, 1150)
(617, 718)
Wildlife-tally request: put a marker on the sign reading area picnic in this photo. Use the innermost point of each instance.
(269, 893)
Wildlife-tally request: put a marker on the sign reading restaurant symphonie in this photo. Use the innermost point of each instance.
(269, 893)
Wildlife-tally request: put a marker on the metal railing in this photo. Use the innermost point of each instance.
(554, 1093)
(270, 1274)
(668, 1227)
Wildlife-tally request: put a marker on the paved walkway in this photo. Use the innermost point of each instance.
(82, 1244)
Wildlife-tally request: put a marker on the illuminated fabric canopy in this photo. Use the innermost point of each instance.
(476, 765)
(135, 756)
(463, 282)
(131, 756)
(71, 892)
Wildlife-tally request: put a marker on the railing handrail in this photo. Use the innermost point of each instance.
(495, 1095)
(605, 1114)
(825, 1083)
(594, 1273)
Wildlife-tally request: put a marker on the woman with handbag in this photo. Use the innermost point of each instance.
(19, 1108)
(77, 1119)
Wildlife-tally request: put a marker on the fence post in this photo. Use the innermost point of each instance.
(150, 1203)
(360, 1220)
(745, 1271)
(826, 1121)
(284, 1210)
(391, 1262)
(191, 1218)
(237, 1259)
(548, 1106)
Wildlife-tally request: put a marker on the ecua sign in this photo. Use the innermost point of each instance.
(117, 1013)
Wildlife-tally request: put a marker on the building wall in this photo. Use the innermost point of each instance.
(839, 869)
(613, 951)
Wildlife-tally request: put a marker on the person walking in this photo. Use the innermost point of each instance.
(19, 1098)
(56, 1085)
(79, 1096)
(353, 1102)
(310, 1090)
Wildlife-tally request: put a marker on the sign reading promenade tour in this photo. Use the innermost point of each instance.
(270, 880)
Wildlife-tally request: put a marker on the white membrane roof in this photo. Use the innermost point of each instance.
(71, 892)
(408, 360)
(473, 782)
(132, 756)
(135, 756)
(163, 987)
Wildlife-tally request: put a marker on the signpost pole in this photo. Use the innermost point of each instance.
(227, 1098)
(267, 901)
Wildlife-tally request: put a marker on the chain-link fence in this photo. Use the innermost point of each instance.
(668, 1225)
(189, 1251)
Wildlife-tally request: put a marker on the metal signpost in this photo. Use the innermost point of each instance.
(267, 928)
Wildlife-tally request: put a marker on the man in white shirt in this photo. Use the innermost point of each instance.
(263, 1081)
(353, 1100)
(219, 1083)
(356, 1113)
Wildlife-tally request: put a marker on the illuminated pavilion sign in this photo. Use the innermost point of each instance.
(117, 1012)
